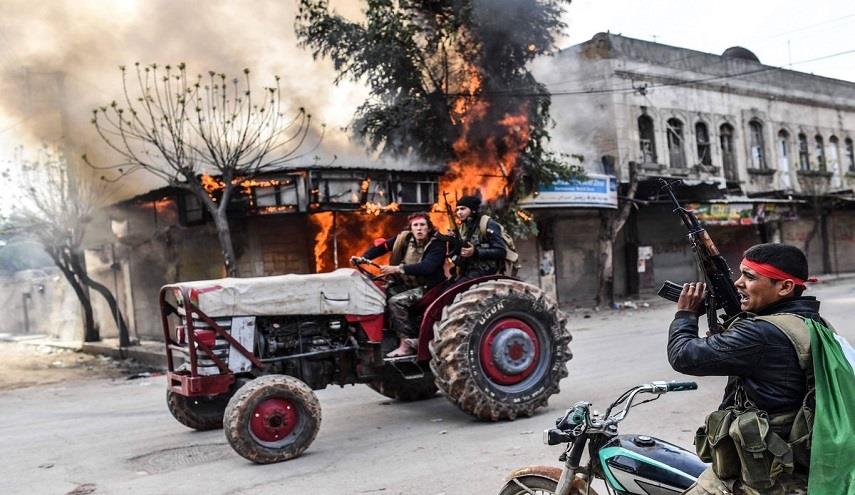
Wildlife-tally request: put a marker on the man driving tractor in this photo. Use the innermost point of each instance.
(416, 265)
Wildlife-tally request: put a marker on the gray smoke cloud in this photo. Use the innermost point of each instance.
(60, 60)
(579, 129)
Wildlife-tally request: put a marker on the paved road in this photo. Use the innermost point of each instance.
(116, 437)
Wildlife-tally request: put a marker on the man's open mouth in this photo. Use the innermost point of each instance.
(743, 297)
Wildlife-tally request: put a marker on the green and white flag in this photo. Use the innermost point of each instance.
(832, 459)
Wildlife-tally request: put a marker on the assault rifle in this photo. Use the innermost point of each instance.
(455, 235)
(721, 293)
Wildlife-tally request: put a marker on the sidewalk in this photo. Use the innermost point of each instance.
(148, 353)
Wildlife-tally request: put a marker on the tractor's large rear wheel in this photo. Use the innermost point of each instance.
(394, 385)
(500, 350)
(273, 418)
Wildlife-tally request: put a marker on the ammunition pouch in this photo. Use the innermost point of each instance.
(763, 454)
(714, 445)
(745, 445)
(801, 432)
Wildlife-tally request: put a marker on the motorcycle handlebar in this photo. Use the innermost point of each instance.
(680, 386)
(571, 420)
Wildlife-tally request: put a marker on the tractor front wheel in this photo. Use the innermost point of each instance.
(273, 418)
(500, 349)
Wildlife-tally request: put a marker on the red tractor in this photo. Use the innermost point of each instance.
(245, 354)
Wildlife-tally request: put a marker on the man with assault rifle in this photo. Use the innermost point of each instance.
(777, 430)
(477, 247)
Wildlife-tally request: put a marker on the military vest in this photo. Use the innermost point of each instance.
(406, 251)
(747, 443)
(471, 233)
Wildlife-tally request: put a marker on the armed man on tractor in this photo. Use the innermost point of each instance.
(482, 249)
(416, 265)
(784, 415)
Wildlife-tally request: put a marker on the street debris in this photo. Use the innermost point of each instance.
(84, 489)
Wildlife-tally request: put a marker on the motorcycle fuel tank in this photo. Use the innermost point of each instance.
(638, 464)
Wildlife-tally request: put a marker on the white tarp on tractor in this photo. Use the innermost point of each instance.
(344, 291)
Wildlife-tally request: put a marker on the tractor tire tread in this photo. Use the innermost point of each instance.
(450, 348)
(236, 418)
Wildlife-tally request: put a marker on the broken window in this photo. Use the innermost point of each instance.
(758, 148)
(784, 157)
(850, 155)
(804, 153)
(675, 143)
(647, 139)
(351, 188)
(416, 192)
(702, 136)
(190, 209)
(834, 160)
(728, 158)
(820, 153)
(275, 195)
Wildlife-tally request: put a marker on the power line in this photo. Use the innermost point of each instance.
(803, 28)
(513, 94)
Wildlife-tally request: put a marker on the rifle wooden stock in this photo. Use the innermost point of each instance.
(721, 293)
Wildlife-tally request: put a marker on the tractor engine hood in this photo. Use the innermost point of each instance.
(342, 292)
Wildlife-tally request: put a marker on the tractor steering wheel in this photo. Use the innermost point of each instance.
(360, 263)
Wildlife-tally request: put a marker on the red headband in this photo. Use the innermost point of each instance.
(774, 272)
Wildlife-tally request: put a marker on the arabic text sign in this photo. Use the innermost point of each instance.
(598, 191)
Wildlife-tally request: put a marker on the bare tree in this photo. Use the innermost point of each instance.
(178, 128)
(55, 206)
(611, 222)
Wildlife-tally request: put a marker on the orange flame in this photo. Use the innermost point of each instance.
(484, 166)
(269, 210)
(376, 208)
(211, 184)
(323, 222)
(354, 233)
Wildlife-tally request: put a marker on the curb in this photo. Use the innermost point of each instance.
(146, 355)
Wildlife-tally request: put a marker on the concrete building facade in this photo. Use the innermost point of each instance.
(764, 154)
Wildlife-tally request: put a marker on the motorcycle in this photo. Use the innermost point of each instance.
(628, 464)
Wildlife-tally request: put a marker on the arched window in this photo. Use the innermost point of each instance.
(675, 143)
(820, 153)
(728, 158)
(702, 136)
(784, 157)
(804, 153)
(758, 148)
(834, 160)
(850, 155)
(647, 139)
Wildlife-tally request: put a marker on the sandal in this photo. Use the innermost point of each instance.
(409, 351)
(406, 348)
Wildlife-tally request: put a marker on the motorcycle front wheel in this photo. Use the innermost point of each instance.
(527, 484)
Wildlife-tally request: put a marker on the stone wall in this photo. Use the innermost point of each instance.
(52, 308)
